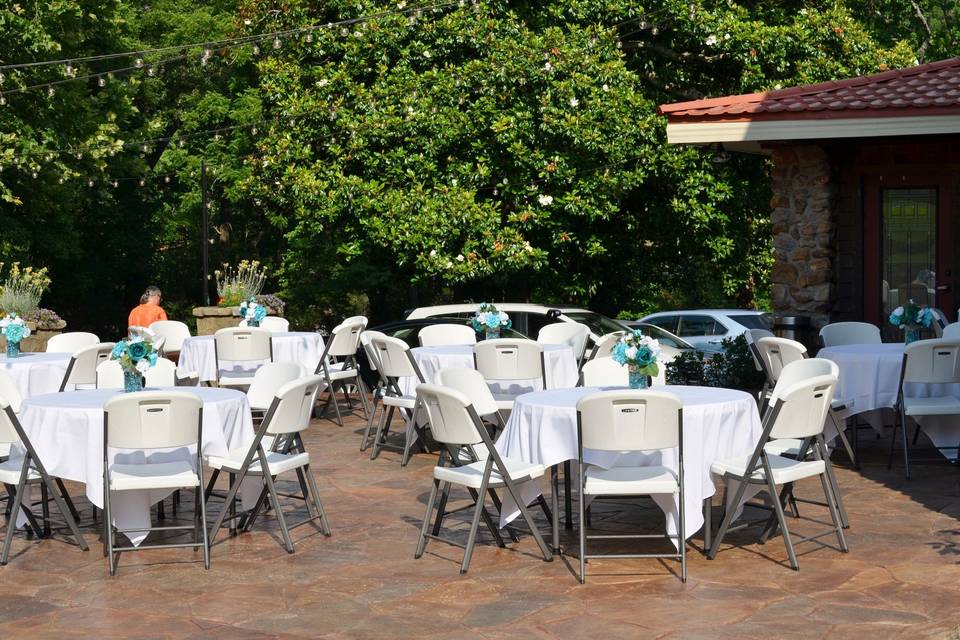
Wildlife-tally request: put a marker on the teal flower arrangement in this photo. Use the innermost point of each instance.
(490, 320)
(910, 317)
(640, 354)
(14, 329)
(136, 355)
(252, 312)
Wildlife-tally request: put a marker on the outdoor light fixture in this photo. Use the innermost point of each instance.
(720, 155)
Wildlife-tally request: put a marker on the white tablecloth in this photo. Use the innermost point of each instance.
(870, 376)
(66, 430)
(559, 364)
(717, 424)
(302, 347)
(37, 373)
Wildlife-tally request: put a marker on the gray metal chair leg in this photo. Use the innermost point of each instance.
(834, 512)
(475, 524)
(772, 489)
(315, 491)
(14, 510)
(422, 542)
(444, 496)
(275, 500)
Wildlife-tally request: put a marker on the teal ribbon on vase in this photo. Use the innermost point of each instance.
(14, 329)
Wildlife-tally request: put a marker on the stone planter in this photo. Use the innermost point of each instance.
(212, 319)
(37, 341)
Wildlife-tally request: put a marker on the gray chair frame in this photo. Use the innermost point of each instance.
(349, 362)
(391, 387)
(73, 359)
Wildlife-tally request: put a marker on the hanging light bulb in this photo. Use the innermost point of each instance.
(34, 174)
(3, 101)
(142, 182)
(206, 56)
(152, 71)
(253, 131)
(2, 77)
(256, 50)
(69, 70)
(166, 179)
(101, 81)
(138, 63)
(60, 180)
(115, 184)
(145, 148)
(79, 155)
(309, 37)
(276, 43)
(89, 183)
(49, 157)
(51, 91)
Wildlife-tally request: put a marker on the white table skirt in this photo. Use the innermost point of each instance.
(717, 424)
(870, 376)
(301, 347)
(66, 430)
(559, 364)
(37, 373)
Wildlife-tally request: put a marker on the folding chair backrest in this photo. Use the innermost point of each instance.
(450, 419)
(361, 320)
(71, 342)
(630, 420)
(939, 321)
(172, 331)
(752, 336)
(506, 359)
(82, 368)
(344, 339)
(799, 410)
(840, 333)
(273, 324)
(269, 379)
(605, 372)
(801, 370)
(292, 407)
(109, 375)
(605, 343)
(9, 390)
(162, 374)
(932, 362)
(436, 335)
(242, 344)
(951, 331)
(572, 334)
(776, 353)
(393, 358)
(152, 420)
(366, 341)
(472, 384)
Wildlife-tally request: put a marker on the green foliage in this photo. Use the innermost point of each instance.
(734, 367)
(686, 368)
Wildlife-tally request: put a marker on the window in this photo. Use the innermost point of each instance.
(752, 321)
(665, 322)
(700, 326)
(598, 324)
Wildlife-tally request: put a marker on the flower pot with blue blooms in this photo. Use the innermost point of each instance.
(490, 321)
(912, 318)
(136, 355)
(14, 329)
(252, 312)
(640, 354)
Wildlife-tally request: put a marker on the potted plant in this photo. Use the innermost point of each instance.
(20, 296)
(234, 285)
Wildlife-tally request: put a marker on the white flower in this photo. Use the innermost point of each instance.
(460, 257)
(631, 353)
(135, 339)
(545, 200)
(143, 365)
(574, 103)
(606, 87)
(898, 311)
(322, 82)
(527, 247)
(427, 54)
(548, 67)
(433, 252)
(712, 40)
(401, 4)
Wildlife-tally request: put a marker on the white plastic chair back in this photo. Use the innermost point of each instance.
(152, 420)
(292, 407)
(269, 379)
(361, 320)
(393, 357)
(752, 336)
(366, 341)
(71, 342)
(82, 369)
(630, 420)
(240, 344)
(159, 343)
(951, 331)
(273, 324)
(932, 362)
(436, 335)
(472, 384)
(506, 359)
(109, 375)
(450, 421)
(840, 333)
(778, 353)
(173, 333)
(605, 372)
(9, 392)
(803, 406)
(572, 334)
(939, 321)
(345, 339)
(162, 374)
(605, 343)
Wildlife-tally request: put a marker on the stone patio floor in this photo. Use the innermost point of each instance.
(901, 578)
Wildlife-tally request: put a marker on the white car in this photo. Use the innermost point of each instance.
(705, 329)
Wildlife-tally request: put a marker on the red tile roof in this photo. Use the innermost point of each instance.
(928, 89)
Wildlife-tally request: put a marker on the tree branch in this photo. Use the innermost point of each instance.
(926, 26)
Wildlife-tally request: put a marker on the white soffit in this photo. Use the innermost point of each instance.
(707, 132)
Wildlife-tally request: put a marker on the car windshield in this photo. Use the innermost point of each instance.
(598, 324)
(752, 321)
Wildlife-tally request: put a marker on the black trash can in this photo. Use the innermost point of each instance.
(798, 328)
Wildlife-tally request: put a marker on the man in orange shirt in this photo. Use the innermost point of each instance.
(148, 311)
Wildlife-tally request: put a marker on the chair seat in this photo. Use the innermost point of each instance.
(228, 380)
(471, 475)
(943, 406)
(11, 469)
(784, 469)
(163, 475)
(629, 481)
(277, 462)
(789, 447)
(343, 374)
(404, 402)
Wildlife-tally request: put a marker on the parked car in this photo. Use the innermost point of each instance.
(705, 329)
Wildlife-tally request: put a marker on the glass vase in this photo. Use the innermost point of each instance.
(493, 334)
(13, 348)
(132, 381)
(638, 380)
(911, 334)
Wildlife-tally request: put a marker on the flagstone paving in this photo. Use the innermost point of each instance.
(901, 578)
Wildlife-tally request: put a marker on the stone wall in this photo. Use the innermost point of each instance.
(803, 232)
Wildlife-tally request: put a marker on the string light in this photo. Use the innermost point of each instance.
(276, 43)
(138, 63)
(256, 50)
(51, 91)
(3, 100)
(102, 81)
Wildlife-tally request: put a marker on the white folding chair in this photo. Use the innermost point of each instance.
(29, 470)
(109, 375)
(603, 346)
(951, 331)
(631, 420)
(572, 334)
(366, 341)
(361, 320)
(797, 411)
(268, 380)
(455, 424)
(604, 372)
(286, 419)
(436, 335)
(840, 333)
(752, 336)
(173, 333)
(394, 361)
(338, 364)
(273, 324)
(71, 341)
(511, 361)
(931, 362)
(237, 345)
(82, 368)
(147, 421)
(162, 374)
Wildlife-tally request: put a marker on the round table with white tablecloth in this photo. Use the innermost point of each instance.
(37, 373)
(717, 424)
(66, 430)
(301, 347)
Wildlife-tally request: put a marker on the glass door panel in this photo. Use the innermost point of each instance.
(909, 242)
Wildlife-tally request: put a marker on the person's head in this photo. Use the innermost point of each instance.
(151, 295)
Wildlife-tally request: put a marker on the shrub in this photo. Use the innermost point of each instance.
(22, 289)
(234, 285)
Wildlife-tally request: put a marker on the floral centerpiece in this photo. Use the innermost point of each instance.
(14, 330)
(236, 284)
(911, 317)
(135, 355)
(640, 353)
(252, 312)
(490, 320)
